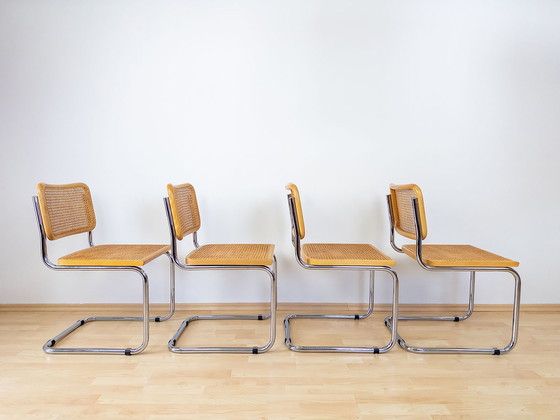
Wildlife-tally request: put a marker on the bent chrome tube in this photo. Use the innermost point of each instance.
(354, 349)
(372, 269)
(48, 347)
(470, 310)
(271, 316)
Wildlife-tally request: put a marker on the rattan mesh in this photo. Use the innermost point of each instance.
(65, 209)
(403, 210)
(184, 209)
(344, 254)
(458, 256)
(232, 254)
(114, 255)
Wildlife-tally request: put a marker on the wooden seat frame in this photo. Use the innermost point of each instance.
(48, 347)
(420, 233)
(298, 232)
(270, 270)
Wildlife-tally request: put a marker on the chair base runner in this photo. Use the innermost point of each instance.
(357, 349)
(49, 348)
(172, 344)
(442, 350)
(330, 349)
(466, 350)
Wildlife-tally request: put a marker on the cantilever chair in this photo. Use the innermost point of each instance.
(408, 218)
(349, 257)
(64, 210)
(184, 219)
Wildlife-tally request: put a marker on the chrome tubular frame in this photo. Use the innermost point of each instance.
(371, 269)
(271, 316)
(472, 271)
(48, 347)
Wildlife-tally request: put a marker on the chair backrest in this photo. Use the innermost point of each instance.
(403, 210)
(65, 209)
(294, 193)
(184, 209)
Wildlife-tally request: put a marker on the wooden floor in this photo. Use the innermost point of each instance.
(158, 384)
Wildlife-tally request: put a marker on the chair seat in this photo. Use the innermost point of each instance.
(458, 256)
(344, 254)
(232, 254)
(114, 255)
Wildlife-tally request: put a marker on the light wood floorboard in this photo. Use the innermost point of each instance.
(158, 384)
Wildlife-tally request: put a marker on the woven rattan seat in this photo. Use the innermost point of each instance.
(458, 256)
(232, 254)
(336, 256)
(408, 218)
(183, 217)
(344, 254)
(115, 255)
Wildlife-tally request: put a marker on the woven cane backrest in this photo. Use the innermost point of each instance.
(65, 209)
(184, 209)
(299, 213)
(403, 210)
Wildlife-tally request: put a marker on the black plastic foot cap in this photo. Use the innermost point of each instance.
(127, 352)
(255, 350)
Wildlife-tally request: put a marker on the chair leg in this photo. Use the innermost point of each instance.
(48, 347)
(466, 350)
(271, 316)
(171, 292)
(333, 349)
(171, 310)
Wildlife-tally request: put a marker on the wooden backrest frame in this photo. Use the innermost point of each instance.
(403, 210)
(66, 209)
(294, 193)
(184, 209)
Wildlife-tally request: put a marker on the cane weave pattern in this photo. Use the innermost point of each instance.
(344, 254)
(232, 254)
(65, 209)
(114, 255)
(184, 209)
(458, 256)
(403, 210)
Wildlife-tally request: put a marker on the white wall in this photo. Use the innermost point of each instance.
(241, 97)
